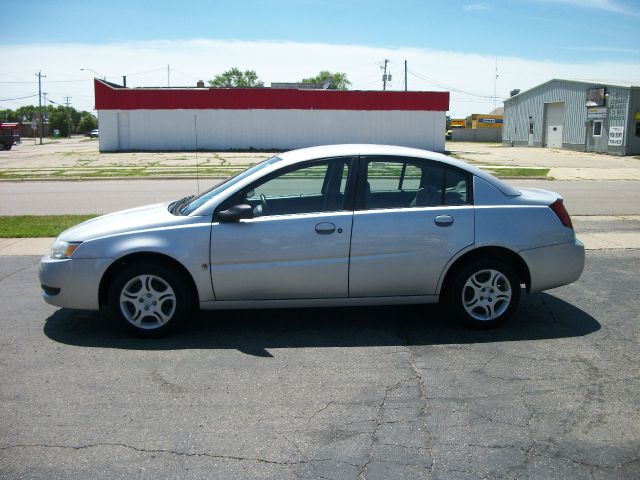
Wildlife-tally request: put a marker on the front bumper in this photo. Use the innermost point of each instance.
(555, 265)
(72, 283)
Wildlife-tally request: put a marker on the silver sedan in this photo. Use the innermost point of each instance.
(330, 225)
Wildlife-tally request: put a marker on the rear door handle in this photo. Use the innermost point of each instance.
(443, 220)
(325, 228)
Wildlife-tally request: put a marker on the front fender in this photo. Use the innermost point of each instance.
(186, 244)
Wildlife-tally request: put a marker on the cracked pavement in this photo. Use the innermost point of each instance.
(351, 393)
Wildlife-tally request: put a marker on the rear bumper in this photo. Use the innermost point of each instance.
(555, 265)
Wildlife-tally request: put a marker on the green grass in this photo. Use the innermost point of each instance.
(519, 172)
(95, 171)
(34, 226)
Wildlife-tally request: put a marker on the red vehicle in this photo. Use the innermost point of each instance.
(9, 135)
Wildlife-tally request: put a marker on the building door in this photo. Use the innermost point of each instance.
(554, 119)
(123, 131)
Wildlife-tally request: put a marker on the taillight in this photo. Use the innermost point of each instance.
(561, 212)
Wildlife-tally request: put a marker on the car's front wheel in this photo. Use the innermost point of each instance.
(150, 299)
(484, 293)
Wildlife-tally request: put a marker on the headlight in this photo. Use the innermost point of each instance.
(61, 249)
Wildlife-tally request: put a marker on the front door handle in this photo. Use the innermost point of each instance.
(325, 228)
(443, 220)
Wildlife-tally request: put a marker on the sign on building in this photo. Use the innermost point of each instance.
(596, 112)
(616, 134)
(595, 97)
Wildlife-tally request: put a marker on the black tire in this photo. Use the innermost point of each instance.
(484, 293)
(8, 146)
(150, 300)
(2, 146)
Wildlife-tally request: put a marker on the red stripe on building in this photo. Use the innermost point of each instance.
(111, 98)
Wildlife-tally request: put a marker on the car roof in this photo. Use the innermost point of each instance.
(355, 149)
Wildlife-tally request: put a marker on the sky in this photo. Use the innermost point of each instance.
(452, 46)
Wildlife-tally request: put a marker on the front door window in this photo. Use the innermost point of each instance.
(319, 187)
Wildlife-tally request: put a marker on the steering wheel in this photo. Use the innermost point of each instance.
(263, 203)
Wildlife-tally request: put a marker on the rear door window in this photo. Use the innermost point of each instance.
(397, 182)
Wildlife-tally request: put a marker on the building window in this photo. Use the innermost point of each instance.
(597, 128)
(637, 129)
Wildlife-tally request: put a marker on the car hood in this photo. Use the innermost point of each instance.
(134, 219)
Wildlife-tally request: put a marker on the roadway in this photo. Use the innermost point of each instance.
(103, 196)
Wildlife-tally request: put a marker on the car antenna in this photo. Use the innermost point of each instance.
(195, 127)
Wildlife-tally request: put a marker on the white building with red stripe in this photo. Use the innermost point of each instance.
(174, 119)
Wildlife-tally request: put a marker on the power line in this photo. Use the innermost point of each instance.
(184, 73)
(449, 87)
(44, 95)
(146, 71)
(365, 78)
(368, 83)
(50, 81)
(18, 98)
(68, 81)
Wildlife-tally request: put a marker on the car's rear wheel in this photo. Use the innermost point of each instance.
(150, 299)
(484, 293)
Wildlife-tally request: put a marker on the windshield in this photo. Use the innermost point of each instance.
(199, 200)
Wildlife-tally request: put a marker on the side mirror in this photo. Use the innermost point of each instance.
(236, 213)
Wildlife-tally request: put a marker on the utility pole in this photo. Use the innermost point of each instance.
(39, 75)
(495, 86)
(385, 77)
(168, 70)
(66, 102)
(405, 75)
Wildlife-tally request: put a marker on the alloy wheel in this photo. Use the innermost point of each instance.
(486, 294)
(147, 301)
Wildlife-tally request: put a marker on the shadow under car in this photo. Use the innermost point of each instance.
(540, 316)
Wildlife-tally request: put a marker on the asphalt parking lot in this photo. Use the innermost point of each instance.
(370, 393)
(394, 392)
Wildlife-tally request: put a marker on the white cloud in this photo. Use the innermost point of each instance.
(191, 60)
(634, 51)
(474, 7)
(606, 5)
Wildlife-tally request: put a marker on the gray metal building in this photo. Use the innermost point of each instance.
(583, 116)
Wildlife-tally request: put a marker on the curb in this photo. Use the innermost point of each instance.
(189, 177)
(80, 179)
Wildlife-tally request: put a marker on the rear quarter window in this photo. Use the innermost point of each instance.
(456, 187)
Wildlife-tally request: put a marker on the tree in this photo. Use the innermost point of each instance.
(235, 78)
(339, 81)
(8, 115)
(58, 119)
(25, 113)
(87, 123)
